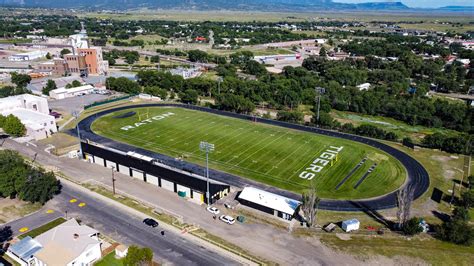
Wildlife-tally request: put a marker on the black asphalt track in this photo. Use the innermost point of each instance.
(417, 178)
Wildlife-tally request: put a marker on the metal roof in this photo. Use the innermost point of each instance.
(270, 200)
(25, 248)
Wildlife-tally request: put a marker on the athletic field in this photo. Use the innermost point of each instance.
(281, 157)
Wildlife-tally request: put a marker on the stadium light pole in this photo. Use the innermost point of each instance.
(318, 91)
(219, 80)
(76, 114)
(207, 147)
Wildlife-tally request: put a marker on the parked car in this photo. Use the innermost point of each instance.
(213, 210)
(227, 219)
(150, 222)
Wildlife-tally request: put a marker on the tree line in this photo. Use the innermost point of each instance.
(20, 180)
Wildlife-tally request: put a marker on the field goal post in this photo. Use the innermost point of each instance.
(146, 114)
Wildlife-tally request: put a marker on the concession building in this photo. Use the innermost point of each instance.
(268, 202)
(144, 165)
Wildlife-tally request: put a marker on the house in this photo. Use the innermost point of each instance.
(67, 244)
(268, 202)
(33, 112)
(62, 93)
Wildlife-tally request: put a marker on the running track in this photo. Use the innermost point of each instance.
(418, 178)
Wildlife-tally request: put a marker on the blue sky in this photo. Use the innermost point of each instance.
(419, 3)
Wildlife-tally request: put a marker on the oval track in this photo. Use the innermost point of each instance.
(417, 176)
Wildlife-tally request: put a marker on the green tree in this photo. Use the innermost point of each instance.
(13, 126)
(189, 96)
(122, 84)
(12, 173)
(412, 227)
(253, 67)
(322, 52)
(198, 56)
(48, 56)
(290, 116)
(138, 256)
(50, 85)
(155, 59)
(74, 84)
(20, 80)
(39, 187)
(65, 51)
(17, 178)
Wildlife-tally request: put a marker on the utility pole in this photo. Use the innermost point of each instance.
(318, 91)
(113, 179)
(207, 147)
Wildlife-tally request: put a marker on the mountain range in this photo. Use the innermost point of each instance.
(246, 5)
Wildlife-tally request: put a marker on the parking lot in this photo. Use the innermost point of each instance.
(68, 105)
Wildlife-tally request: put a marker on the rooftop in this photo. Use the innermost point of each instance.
(25, 248)
(65, 242)
(270, 200)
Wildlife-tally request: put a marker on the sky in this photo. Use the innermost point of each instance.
(419, 3)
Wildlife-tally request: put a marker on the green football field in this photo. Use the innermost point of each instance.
(277, 156)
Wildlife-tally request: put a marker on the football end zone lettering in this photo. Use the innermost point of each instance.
(328, 157)
(147, 121)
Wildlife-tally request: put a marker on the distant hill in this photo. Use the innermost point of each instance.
(259, 5)
(457, 8)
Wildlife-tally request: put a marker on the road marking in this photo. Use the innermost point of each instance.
(23, 229)
(73, 200)
(82, 204)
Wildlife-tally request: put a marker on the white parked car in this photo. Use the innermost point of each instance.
(213, 210)
(227, 219)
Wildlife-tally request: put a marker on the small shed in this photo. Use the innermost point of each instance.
(350, 225)
(121, 251)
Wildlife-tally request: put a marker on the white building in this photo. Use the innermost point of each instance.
(186, 73)
(363, 86)
(27, 56)
(63, 93)
(67, 244)
(268, 202)
(33, 111)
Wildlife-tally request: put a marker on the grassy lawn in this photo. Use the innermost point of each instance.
(39, 230)
(109, 260)
(5, 260)
(424, 247)
(269, 154)
(402, 129)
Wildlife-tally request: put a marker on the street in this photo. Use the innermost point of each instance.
(123, 227)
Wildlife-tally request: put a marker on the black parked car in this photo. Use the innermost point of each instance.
(150, 222)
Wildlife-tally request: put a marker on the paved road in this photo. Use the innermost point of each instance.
(418, 177)
(123, 227)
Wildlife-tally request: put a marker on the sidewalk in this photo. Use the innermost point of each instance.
(266, 241)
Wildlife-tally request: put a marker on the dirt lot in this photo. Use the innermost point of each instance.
(11, 209)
